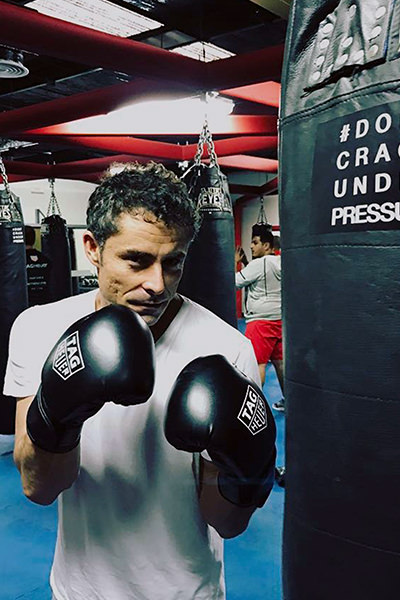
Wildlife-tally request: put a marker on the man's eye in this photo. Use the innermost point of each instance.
(136, 264)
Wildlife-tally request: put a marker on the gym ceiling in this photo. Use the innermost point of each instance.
(78, 72)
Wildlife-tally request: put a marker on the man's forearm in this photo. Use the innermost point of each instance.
(43, 474)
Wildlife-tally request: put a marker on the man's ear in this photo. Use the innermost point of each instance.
(92, 249)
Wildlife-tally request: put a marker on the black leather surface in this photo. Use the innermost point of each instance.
(341, 300)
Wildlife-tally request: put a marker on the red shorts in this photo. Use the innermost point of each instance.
(266, 337)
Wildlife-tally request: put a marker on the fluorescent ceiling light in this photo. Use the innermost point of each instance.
(171, 116)
(212, 105)
(203, 51)
(96, 14)
(145, 4)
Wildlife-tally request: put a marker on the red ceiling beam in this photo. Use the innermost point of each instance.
(92, 164)
(244, 69)
(267, 189)
(251, 163)
(240, 188)
(235, 145)
(69, 169)
(117, 144)
(267, 92)
(16, 167)
(16, 178)
(154, 149)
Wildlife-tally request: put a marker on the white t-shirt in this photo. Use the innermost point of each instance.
(130, 526)
(261, 279)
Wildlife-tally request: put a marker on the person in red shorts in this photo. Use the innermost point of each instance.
(261, 280)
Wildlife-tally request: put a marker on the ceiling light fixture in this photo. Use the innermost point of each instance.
(203, 51)
(169, 116)
(101, 15)
(210, 105)
(11, 64)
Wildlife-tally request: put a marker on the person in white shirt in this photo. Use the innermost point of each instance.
(145, 420)
(261, 280)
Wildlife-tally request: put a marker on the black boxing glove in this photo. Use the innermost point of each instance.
(108, 356)
(213, 406)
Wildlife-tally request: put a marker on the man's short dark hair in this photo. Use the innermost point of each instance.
(30, 235)
(263, 231)
(141, 189)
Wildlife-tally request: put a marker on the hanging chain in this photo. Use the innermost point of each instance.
(16, 212)
(53, 208)
(205, 139)
(5, 178)
(262, 217)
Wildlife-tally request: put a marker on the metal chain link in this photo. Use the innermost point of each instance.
(15, 207)
(205, 139)
(5, 178)
(53, 208)
(262, 217)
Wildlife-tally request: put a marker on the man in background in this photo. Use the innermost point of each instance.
(261, 280)
(37, 270)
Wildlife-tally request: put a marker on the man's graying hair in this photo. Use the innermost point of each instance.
(139, 189)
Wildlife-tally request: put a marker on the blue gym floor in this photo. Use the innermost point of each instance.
(28, 531)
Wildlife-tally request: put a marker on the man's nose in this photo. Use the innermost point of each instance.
(154, 280)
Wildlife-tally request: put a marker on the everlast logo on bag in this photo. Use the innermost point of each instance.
(68, 358)
(9, 213)
(5, 212)
(253, 413)
(213, 198)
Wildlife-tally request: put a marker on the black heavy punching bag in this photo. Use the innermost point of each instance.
(72, 251)
(209, 276)
(13, 290)
(340, 220)
(55, 244)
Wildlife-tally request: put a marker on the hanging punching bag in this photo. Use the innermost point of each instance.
(55, 244)
(13, 286)
(72, 250)
(209, 276)
(340, 220)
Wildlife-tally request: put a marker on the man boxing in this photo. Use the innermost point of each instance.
(156, 445)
